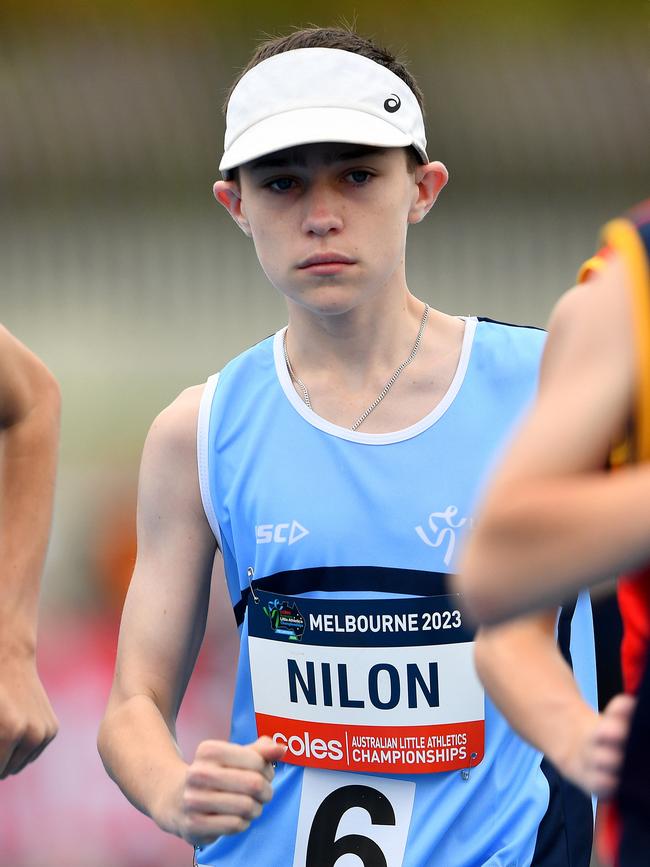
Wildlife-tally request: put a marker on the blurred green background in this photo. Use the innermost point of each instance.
(120, 271)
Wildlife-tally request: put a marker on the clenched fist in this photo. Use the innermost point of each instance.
(223, 790)
(27, 721)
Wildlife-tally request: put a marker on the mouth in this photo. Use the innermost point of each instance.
(325, 263)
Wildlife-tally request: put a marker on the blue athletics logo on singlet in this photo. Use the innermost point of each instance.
(285, 619)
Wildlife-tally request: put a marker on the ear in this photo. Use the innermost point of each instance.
(228, 194)
(429, 181)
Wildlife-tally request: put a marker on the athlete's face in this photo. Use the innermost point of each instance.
(329, 221)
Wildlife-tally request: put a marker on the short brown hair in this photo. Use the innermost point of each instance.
(330, 37)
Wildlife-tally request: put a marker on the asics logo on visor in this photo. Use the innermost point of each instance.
(392, 105)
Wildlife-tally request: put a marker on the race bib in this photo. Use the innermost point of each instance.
(384, 685)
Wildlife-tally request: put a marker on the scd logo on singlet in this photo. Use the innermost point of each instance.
(280, 534)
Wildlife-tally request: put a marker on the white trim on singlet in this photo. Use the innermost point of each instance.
(375, 438)
(202, 455)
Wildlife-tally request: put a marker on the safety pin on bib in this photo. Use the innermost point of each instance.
(465, 772)
(250, 572)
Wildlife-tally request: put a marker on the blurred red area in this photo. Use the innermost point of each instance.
(63, 810)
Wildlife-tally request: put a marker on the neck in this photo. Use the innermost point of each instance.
(344, 362)
(379, 333)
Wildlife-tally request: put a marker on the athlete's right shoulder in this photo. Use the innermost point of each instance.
(169, 481)
(172, 435)
(181, 414)
(257, 357)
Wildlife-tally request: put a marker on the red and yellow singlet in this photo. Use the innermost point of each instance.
(629, 236)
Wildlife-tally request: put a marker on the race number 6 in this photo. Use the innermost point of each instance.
(324, 851)
(352, 814)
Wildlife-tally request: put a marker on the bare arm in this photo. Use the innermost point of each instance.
(225, 786)
(29, 431)
(546, 527)
(540, 698)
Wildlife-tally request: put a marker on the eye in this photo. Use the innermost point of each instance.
(281, 185)
(359, 176)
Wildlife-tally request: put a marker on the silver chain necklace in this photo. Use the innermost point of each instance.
(382, 394)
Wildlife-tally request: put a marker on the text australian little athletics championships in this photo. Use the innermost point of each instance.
(402, 743)
(409, 750)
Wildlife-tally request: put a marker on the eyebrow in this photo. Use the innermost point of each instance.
(297, 159)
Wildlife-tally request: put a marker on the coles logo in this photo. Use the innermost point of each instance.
(305, 745)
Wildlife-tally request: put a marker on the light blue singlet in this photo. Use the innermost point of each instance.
(351, 650)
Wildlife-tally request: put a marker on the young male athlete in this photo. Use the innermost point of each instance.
(556, 519)
(29, 431)
(337, 464)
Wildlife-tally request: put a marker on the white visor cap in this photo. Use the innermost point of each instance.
(313, 95)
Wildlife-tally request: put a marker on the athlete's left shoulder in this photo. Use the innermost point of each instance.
(517, 348)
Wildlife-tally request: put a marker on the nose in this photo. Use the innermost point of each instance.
(322, 213)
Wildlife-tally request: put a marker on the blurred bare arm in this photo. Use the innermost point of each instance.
(29, 433)
(530, 682)
(553, 519)
(224, 787)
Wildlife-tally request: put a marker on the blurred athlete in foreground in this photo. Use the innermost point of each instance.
(29, 431)
(555, 519)
(337, 468)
